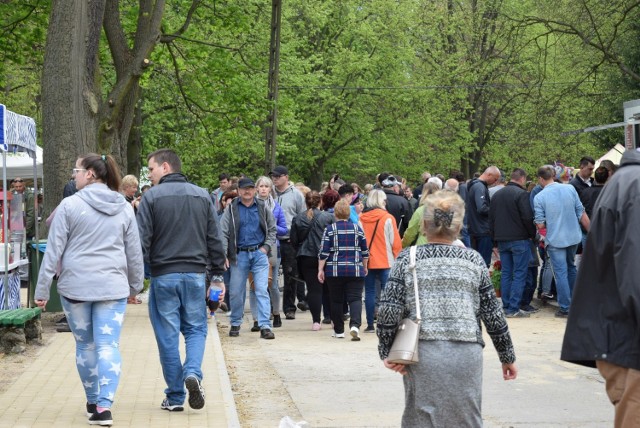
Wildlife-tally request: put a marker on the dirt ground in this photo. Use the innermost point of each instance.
(13, 365)
(260, 395)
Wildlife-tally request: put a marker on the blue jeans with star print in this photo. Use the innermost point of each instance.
(96, 328)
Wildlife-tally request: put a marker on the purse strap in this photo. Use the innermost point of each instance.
(412, 266)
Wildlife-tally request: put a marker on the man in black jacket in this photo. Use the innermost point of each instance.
(397, 205)
(477, 212)
(511, 227)
(603, 329)
(179, 234)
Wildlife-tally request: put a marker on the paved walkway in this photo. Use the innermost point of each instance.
(330, 383)
(49, 393)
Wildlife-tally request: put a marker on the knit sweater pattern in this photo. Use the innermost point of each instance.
(455, 294)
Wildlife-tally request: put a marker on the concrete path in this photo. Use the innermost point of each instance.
(340, 383)
(331, 382)
(49, 393)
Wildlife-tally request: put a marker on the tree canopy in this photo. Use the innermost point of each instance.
(365, 86)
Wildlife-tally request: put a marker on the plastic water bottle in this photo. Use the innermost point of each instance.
(214, 299)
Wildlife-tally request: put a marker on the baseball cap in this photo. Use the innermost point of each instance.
(280, 170)
(246, 182)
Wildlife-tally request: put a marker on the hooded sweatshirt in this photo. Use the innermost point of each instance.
(292, 203)
(95, 237)
(385, 244)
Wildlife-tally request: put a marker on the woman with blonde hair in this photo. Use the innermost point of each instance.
(384, 243)
(455, 294)
(264, 187)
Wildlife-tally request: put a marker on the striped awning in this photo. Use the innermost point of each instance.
(17, 132)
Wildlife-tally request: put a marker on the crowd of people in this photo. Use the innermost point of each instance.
(336, 248)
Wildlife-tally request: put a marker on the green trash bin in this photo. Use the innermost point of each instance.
(54, 304)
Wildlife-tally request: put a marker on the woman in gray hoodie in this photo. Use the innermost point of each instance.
(94, 248)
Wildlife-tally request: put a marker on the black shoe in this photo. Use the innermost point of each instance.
(370, 329)
(235, 331)
(562, 314)
(91, 409)
(326, 321)
(290, 315)
(103, 419)
(255, 327)
(62, 320)
(224, 307)
(345, 317)
(266, 333)
(529, 309)
(63, 328)
(171, 407)
(196, 392)
(303, 306)
(277, 321)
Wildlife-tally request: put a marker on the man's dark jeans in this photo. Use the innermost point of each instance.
(293, 286)
(484, 245)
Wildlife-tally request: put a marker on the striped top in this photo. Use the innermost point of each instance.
(343, 247)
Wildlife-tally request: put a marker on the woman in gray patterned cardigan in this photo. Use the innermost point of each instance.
(445, 387)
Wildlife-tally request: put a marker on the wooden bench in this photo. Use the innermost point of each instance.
(18, 317)
(17, 326)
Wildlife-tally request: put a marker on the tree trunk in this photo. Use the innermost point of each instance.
(316, 174)
(70, 91)
(134, 144)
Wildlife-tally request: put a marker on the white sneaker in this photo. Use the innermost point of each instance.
(338, 335)
(355, 334)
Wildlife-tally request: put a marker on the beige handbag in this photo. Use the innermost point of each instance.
(405, 345)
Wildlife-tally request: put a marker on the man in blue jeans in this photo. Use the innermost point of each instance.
(179, 234)
(249, 235)
(511, 227)
(558, 208)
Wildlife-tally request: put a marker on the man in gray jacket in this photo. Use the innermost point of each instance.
(249, 235)
(292, 203)
(179, 233)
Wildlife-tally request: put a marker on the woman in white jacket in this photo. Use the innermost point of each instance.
(94, 247)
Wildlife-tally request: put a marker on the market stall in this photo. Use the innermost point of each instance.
(17, 135)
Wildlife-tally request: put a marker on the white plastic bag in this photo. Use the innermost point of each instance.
(287, 422)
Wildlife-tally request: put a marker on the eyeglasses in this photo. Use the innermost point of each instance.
(276, 176)
(77, 170)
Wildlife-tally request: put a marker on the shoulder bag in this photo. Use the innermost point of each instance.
(405, 345)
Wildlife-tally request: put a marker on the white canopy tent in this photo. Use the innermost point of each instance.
(17, 135)
(614, 155)
(21, 165)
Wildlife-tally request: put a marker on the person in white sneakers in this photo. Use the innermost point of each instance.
(343, 264)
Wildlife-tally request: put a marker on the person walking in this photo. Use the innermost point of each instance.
(384, 245)
(343, 265)
(264, 187)
(94, 247)
(292, 203)
(602, 329)
(179, 234)
(445, 387)
(248, 237)
(306, 236)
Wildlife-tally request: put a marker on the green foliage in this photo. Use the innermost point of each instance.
(365, 86)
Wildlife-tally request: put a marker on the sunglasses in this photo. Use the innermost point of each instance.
(18, 181)
(275, 176)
